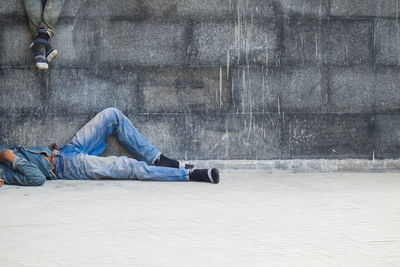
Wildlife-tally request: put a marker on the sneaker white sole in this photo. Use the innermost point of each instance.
(52, 55)
(42, 66)
(210, 176)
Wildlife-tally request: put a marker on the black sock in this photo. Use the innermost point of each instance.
(43, 34)
(167, 162)
(38, 48)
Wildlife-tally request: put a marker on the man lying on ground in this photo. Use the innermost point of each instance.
(80, 158)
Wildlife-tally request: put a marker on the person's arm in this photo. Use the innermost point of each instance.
(25, 172)
(7, 156)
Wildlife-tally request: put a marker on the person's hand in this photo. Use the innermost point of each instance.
(7, 156)
(1, 182)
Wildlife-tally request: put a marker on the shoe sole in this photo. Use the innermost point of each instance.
(42, 66)
(52, 55)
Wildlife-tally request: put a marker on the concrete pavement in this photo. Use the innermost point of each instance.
(252, 218)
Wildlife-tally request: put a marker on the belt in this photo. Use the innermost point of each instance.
(56, 151)
(53, 160)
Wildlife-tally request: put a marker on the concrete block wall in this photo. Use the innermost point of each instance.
(220, 79)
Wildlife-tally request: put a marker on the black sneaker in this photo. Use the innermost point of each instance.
(44, 37)
(38, 47)
(205, 175)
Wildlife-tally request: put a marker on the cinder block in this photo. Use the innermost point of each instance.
(86, 91)
(115, 148)
(386, 136)
(223, 43)
(286, 8)
(213, 43)
(185, 90)
(200, 9)
(96, 9)
(351, 89)
(14, 46)
(127, 43)
(159, 9)
(364, 8)
(119, 43)
(387, 42)
(230, 136)
(170, 133)
(387, 97)
(239, 10)
(79, 43)
(304, 42)
(38, 130)
(22, 91)
(304, 90)
(329, 136)
(280, 89)
(304, 8)
(349, 43)
(135, 10)
(337, 42)
(246, 10)
(12, 7)
(256, 89)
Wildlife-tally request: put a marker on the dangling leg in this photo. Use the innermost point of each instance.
(34, 9)
(51, 14)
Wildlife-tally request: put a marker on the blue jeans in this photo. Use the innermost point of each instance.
(80, 159)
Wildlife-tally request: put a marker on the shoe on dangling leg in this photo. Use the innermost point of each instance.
(51, 53)
(39, 49)
(44, 37)
(204, 175)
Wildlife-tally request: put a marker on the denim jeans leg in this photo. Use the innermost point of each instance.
(92, 139)
(34, 9)
(83, 166)
(51, 13)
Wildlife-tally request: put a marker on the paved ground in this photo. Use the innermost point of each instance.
(250, 219)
